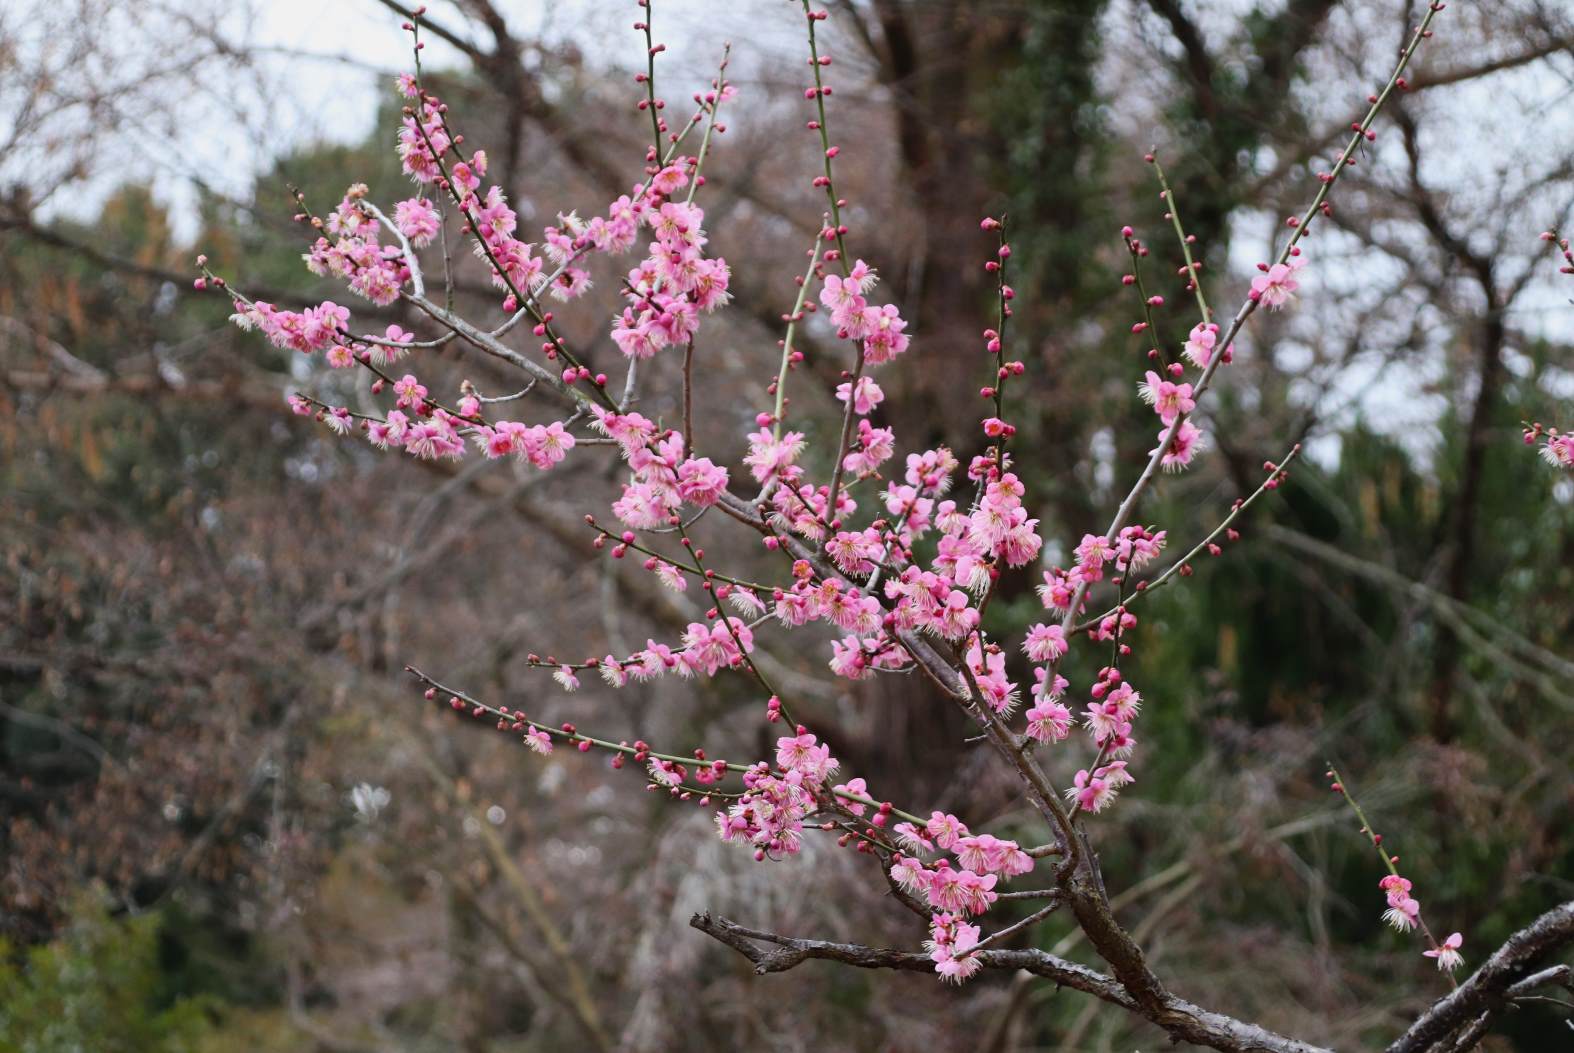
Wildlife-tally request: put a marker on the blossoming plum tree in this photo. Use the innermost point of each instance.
(902, 557)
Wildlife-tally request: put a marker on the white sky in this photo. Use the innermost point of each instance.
(328, 64)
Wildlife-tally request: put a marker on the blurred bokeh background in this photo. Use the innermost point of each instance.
(227, 822)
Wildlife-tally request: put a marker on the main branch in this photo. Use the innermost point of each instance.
(1182, 1020)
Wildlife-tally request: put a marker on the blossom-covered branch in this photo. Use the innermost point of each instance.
(900, 559)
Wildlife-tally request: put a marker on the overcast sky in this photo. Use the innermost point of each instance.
(329, 63)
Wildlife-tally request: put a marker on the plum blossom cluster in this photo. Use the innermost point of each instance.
(371, 269)
(1199, 346)
(879, 329)
(669, 287)
(1559, 451)
(957, 888)
(1557, 447)
(1404, 914)
(1276, 286)
(1179, 438)
(770, 813)
(950, 940)
(674, 282)
(431, 154)
(662, 479)
(706, 650)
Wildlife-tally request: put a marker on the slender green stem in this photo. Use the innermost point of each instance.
(825, 140)
(1152, 327)
(710, 124)
(792, 325)
(650, 81)
(1194, 277)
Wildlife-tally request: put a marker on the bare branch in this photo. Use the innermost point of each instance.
(1534, 53)
(1181, 1019)
(1558, 975)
